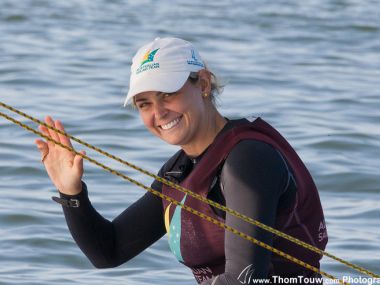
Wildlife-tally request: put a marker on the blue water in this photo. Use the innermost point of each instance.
(310, 68)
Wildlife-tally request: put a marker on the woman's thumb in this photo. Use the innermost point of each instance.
(42, 147)
(78, 162)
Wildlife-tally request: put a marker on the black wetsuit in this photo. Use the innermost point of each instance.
(254, 179)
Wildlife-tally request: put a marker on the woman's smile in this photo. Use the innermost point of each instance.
(171, 124)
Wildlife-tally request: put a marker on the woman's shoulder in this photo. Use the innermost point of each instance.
(258, 164)
(254, 156)
(254, 150)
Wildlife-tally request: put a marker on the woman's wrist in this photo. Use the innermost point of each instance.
(73, 200)
(73, 191)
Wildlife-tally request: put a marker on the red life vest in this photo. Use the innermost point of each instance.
(199, 244)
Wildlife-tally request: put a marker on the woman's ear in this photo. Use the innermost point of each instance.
(205, 81)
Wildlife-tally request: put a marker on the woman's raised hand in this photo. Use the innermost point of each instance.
(64, 167)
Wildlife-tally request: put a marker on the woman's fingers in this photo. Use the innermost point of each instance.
(45, 131)
(55, 150)
(53, 134)
(63, 139)
(43, 148)
(64, 167)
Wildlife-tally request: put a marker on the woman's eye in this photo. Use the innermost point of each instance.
(142, 105)
(167, 95)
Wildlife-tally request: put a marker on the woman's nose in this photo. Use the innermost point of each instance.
(160, 111)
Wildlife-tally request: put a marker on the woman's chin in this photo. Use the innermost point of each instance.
(174, 136)
(172, 141)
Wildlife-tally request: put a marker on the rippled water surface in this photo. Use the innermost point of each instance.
(310, 68)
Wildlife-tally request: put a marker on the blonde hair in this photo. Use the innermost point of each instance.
(217, 85)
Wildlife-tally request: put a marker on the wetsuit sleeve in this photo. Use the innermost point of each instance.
(253, 178)
(111, 243)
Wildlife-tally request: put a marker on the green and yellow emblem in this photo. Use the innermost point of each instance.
(148, 56)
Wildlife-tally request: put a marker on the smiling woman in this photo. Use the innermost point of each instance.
(183, 117)
(243, 164)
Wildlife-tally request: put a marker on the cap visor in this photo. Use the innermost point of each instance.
(161, 82)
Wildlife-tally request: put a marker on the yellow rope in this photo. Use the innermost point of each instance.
(175, 202)
(199, 197)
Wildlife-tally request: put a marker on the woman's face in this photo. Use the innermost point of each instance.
(174, 117)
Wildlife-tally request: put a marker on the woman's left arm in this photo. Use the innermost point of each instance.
(253, 178)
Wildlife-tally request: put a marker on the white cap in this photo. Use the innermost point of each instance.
(163, 65)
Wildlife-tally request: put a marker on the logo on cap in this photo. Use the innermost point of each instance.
(148, 57)
(194, 60)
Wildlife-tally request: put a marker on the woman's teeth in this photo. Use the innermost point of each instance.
(170, 125)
